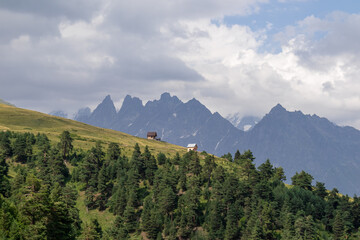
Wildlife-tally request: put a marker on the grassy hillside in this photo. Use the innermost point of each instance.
(85, 136)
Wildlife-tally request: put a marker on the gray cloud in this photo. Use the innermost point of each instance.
(63, 55)
(75, 9)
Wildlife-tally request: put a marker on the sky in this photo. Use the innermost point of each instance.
(234, 56)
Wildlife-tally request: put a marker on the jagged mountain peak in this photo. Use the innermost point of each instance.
(132, 101)
(277, 109)
(195, 102)
(106, 103)
(165, 101)
(165, 96)
(107, 98)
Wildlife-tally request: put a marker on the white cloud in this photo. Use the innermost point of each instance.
(303, 75)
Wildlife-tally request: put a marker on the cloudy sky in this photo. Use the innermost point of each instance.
(233, 55)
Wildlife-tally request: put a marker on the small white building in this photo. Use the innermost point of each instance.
(192, 147)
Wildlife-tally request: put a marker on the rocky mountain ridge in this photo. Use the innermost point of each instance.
(292, 140)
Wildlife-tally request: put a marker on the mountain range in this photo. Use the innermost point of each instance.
(292, 140)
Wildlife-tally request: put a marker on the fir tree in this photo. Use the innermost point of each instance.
(266, 170)
(5, 146)
(137, 162)
(338, 226)
(150, 165)
(161, 159)
(302, 180)
(320, 190)
(113, 152)
(65, 145)
(19, 149)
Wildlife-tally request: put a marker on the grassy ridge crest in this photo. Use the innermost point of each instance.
(85, 136)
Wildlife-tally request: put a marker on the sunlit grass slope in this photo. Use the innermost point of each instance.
(85, 136)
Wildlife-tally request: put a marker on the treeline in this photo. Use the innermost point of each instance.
(192, 196)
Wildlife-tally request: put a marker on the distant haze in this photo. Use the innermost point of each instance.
(234, 56)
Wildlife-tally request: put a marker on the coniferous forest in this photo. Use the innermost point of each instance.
(155, 196)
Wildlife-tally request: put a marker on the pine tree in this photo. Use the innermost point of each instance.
(90, 232)
(161, 158)
(90, 169)
(130, 218)
(150, 165)
(176, 160)
(104, 188)
(19, 149)
(167, 200)
(5, 146)
(63, 220)
(227, 156)
(34, 207)
(113, 151)
(155, 224)
(4, 182)
(137, 162)
(215, 221)
(338, 226)
(288, 226)
(279, 174)
(89, 201)
(266, 170)
(208, 168)
(320, 190)
(65, 145)
(118, 230)
(237, 157)
(194, 162)
(257, 231)
(57, 168)
(302, 180)
(232, 229)
(118, 200)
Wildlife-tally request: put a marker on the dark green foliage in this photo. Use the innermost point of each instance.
(227, 156)
(104, 188)
(150, 165)
(302, 180)
(91, 231)
(184, 197)
(266, 170)
(130, 217)
(279, 174)
(208, 168)
(192, 158)
(4, 182)
(176, 160)
(113, 151)
(137, 161)
(57, 168)
(65, 145)
(45, 215)
(5, 146)
(320, 190)
(161, 158)
(91, 166)
(20, 146)
(232, 229)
